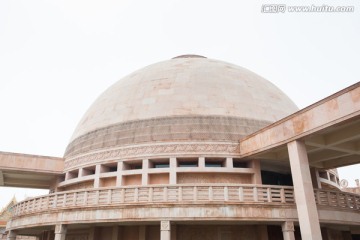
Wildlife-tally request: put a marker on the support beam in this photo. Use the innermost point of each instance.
(304, 191)
(288, 230)
(60, 232)
(165, 231)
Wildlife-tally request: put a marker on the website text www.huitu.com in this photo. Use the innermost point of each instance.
(283, 8)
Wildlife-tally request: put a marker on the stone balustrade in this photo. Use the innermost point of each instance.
(175, 194)
(337, 199)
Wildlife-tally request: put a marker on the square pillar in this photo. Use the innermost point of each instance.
(315, 178)
(60, 232)
(165, 231)
(119, 174)
(145, 175)
(201, 162)
(229, 162)
(288, 230)
(173, 166)
(304, 191)
(256, 179)
(11, 235)
(97, 176)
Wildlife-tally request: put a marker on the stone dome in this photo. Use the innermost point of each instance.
(188, 88)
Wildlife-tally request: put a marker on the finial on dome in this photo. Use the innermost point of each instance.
(189, 56)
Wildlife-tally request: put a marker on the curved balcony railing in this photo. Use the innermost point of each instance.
(182, 194)
(156, 194)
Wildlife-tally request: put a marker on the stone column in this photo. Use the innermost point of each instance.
(165, 230)
(304, 191)
(288, 230)
(60, 232)
(11, 235)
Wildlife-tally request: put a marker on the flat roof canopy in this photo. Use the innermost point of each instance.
(330, 129)
(24, 170)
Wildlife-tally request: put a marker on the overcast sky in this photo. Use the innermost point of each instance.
(56, 57)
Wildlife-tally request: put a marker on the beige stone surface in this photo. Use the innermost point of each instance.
(187, 86)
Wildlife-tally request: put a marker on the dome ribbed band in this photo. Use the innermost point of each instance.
(193, 128)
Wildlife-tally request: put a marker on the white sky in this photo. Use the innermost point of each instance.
(56, 57)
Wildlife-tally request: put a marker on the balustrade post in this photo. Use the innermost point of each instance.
(328, 198)
(136, 194)
(47, 202)
(338, 199)
(241, 194)
(269, 197)
(255, 193)
(165, 194)
(347, 200)
(39, 206)
(85, 198)
(109, 196)
(122, 195)
(210, 193)
(282, 195)
(33, 205)
(195, 193)
(74, 200)
(226, 193)
(55, 200)
(97, 194)
(150, 195)
(180, 193)
(64, 201)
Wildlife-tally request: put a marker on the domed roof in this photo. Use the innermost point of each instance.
(187, 85)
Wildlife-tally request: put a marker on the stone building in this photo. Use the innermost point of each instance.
(194, 148)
